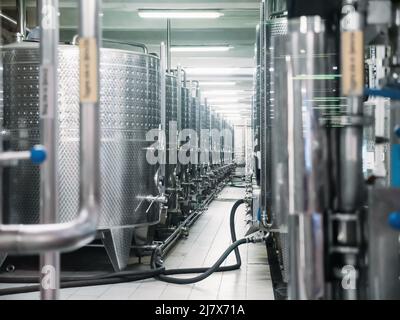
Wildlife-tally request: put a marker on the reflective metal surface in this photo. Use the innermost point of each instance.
(129, 107)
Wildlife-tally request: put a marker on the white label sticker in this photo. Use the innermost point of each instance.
(88, 70)
(46, 92)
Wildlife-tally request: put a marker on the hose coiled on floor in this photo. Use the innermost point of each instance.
(206, 272)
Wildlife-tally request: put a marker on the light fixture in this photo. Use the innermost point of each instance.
(233, 113)
(204, 48)
(222, 100)
(226, 100)
(232, 106)
(220, 71)
(179, 14)
(222, 93)
(217, 83)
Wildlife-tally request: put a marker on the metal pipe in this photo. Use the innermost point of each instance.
(168, 45)
(21, 22)
(9, 156)
(49, 38)
(162, 139)
(266, 126)
(11, 20)
(305, 162)
(179, 77)
(130, 43)
(351, 181)
(33, 239)
(351, 176)
(262, 115)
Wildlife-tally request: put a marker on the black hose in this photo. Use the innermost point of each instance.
(85, 283)
(216, 267)
(130, 276)
(208, 272)
(121, 274)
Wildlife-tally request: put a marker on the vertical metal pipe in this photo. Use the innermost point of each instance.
(179, 96)
(21, 22)
(163, 69)
(351, 180)
(49, 36)
(89, 47)
(89, 109)
(37, 13)
(351, 176)
(266, 121)
(305, 162)
(168, 45)
(261, 111)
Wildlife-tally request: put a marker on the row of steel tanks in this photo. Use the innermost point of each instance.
(136, 201)
(203, 161)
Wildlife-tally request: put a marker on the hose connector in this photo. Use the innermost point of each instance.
(258, 237)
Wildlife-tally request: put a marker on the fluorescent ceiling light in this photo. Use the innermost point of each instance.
(232, 106)
(228, 100)
(232, 112)
(179, 14)
(201, 48)
(220, 71)
(221, 93)
(223, 100)
(217, 83)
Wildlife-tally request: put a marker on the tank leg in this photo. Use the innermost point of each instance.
(117, 243)
(3, 257)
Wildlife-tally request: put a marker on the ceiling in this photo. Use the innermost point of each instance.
(121, 22)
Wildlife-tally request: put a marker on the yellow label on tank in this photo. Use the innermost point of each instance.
(88, 75)
(352, 60)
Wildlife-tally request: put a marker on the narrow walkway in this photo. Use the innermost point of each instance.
(207, 240)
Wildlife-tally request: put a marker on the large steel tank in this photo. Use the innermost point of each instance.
(316, 88)
(276, 90)
(130, 106)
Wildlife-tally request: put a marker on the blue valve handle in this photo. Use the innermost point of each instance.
(394, 220)
(397, 131)
(38, 154)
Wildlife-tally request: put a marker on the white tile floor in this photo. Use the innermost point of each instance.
(208, 238)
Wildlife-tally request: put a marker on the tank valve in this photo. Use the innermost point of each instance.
(161, 199)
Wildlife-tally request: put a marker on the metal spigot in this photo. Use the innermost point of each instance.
(160, 199)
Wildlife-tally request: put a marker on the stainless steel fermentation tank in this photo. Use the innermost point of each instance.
(303, 81)
(276, 89)
(130, 106)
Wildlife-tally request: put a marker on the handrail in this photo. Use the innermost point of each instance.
(130, 43)
(11, 20)
(31, 239)
(75, 41)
